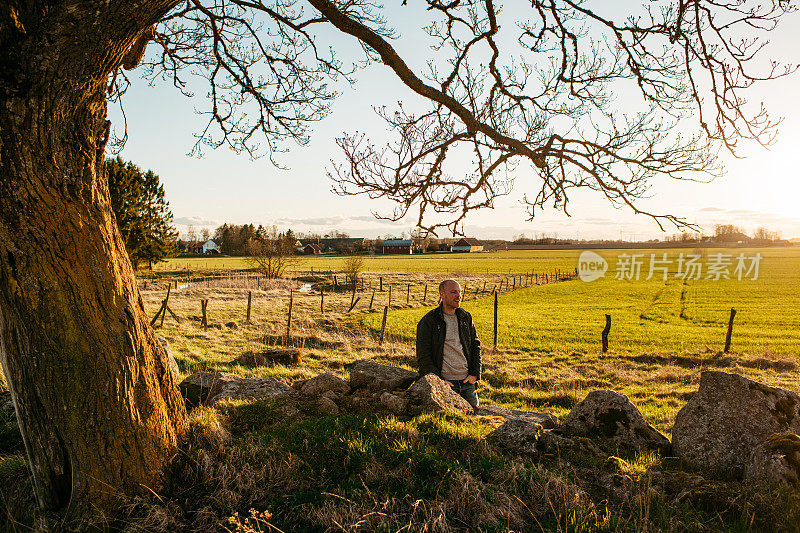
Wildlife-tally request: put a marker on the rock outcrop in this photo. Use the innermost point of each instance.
(375, 376)
(775, 461)
(608, 415)
(727, 418)
(546, 420)
(518, 436)
(431, 394)
(212, 387)
(321, 384)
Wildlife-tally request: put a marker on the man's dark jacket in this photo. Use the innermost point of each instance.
(431, 332)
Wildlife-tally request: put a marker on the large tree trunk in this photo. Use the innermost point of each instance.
(98, 407)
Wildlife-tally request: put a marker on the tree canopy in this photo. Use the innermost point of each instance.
(579, 94)
(143, 214)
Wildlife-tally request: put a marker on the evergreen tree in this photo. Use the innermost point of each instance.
(143, 214)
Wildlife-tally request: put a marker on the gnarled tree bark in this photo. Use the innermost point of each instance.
(98, 407)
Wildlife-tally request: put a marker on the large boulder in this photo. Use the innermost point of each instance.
(375, 376)
(211, 387)
(321, 384)
(546, 420)
(431, 394)
(517, 435)
(610, 416)
(775, 461)
(726, 418)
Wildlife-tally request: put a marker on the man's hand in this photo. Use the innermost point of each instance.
(470, 379)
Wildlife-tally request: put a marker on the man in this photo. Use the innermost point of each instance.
(448, 345)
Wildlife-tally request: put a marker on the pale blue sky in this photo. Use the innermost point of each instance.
(762, 189)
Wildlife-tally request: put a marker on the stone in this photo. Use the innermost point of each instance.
(608, 415)
(517, 435)
(278, 356)
(726, 418)
(546, 420)
(775, 461)
(327, 406)
(173, 364)
(431, 394)
(321, 384)
(211, 387)
(371, 375)
(395, 404)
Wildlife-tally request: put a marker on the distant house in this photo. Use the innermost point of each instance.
(210, 247)
(310, 249)
(194, 247)
(466, 245)
(398, 246)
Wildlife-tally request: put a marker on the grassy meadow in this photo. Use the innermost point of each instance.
(246, 467)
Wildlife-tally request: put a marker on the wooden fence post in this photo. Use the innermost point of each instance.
(730, 331)
(495, 322)
(390, 294)
(372, 299)
(249, 302)
(514, 286)
(425, 296)
(408, 294)
(289, 319)
(322, 300)
(381, 281)
(383, 323)
(204, 306)
(606, 330)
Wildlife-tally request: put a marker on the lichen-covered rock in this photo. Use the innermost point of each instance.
(517, 435)
(375, 376)
(212, 387)
(546, 420)
(726, 418)
(610, 416)
(775, 461)
(321, 384)
(431, 394)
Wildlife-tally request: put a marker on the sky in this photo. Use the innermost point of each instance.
(760, 189)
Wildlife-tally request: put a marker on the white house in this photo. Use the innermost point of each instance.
(210, 247)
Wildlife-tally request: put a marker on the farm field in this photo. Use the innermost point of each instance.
(492, 262)
(647, 316)
(663, 332)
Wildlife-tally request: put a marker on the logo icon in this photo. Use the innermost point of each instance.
(591, 266)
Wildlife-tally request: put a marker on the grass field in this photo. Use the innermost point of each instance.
(491, 262)
(372, 471)
(647, 316)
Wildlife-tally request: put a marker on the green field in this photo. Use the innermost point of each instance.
(491, 262)
(647, 316)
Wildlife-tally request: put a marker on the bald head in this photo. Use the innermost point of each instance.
(443, 285)
(450, 291)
